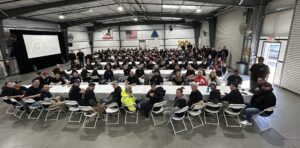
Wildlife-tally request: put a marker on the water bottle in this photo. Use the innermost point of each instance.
(207, 89)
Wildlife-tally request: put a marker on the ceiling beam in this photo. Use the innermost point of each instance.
(27, 9)
(245, 3)
(145, 22)
(115, 16)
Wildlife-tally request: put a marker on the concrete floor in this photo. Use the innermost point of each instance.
(23, 133)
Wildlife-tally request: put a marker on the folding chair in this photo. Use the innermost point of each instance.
(213, 109)
(158, 108)
(73, 108)
(112, 109)
(18, 108)
(9, 110)
(33, 109)
(128, 112)
(89, 113)
(174, 117)
(55, 109)
(264, 125)
(233, 110)
(196, 111)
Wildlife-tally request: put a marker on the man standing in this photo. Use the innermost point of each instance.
(80, 55)
(72, 57)
(225, 54)
(258, 70)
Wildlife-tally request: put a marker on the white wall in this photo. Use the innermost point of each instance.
(228, 34)
(81, 39)
(204, 40)
(29, 25)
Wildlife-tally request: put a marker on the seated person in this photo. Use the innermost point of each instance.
(234, 97)
(235, 78)
(203, 65)
(18, 93)
(190, 73)
(114, 96)
(260, 101)
(37, 75)
(172, 65)
(108, 75)
(139, 72)
(47, 78)
(75, 77)
(85, 75)
(195, 96)
(34, 92)
(76, 65)
(7, 90)
(162, 64)
(55, 102)
(178, 79)
(132, 79)
(95, 77)
(156, 78)
(179, 103)
(128, 100)
(200, 79)
(195, 64)
(58, 79)
(90, 98)
(89, 65)
(126, 70)
(213, 78)
(257, 87)
(75, 93)
(57, 69)
(214, 94)
(155, 95)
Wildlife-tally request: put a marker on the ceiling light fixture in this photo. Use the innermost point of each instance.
(90, 10)
(61, 17)
(120, 8)
(171, 6)
(135, 19)
(198, 10)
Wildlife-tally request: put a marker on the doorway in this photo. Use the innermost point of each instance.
(142, 44)
(271, 52)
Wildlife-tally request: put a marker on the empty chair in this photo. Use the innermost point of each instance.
(260, 119)
(195, 112)
(233, 110)
(18, 108)
(128, 112)
(88, 114)
(10, 110)
(158, 108)
(179, 116)
(73, 108)
(49, 110)
(213, 109)
(112, 109)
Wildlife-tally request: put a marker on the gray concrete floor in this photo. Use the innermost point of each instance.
(23, 133)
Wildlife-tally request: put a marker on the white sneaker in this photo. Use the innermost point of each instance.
(246, 123)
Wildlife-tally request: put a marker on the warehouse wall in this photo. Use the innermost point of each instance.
(81, 39)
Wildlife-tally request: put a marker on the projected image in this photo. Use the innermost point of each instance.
(41, 45)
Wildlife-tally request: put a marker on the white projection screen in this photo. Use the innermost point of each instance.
(41, 45)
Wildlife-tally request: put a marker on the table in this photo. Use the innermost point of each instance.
(140, 91)
(137, 62)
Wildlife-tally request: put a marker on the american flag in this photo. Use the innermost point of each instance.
(131, 34)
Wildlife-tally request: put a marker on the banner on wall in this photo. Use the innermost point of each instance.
(131, 34)
(107, 36)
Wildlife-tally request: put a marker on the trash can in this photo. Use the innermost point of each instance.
(242, 67)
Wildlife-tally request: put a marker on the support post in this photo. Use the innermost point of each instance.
(91, 31)
(120, 40)
(197, 27)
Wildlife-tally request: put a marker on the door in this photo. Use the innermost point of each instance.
(271, 53)
(142, 44)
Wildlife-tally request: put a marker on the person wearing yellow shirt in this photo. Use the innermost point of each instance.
(128, 100)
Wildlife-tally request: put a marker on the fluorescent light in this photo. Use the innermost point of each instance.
(135, 19)
(120, 8)
(198, 10)
(188, 7)
(90, 10)
(171, 18)
(171, 6)
(61, 17)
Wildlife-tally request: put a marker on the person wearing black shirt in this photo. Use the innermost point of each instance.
(214, 94)
(95, 75)
(178, 79)
(235, 78)
(114, 96)
(225, 53)
(257, 87)
(38, 76)
(18, 93)
(195, 64)
(58, 80)
(156, 78)
(85, 75)
(55, 102)
(132, 79)
(75, 77)
(72, 57)
(190, 74)
(195, 95)
(6, 89)
(47, 78)
(126, 70)
(179, 103)
(75, 93)
(56, 69)
(258, 70)
(203, 65)
(234, 97)
(155, 95)
(90, 97)
(139, 72)
(260, 101)
(34, 92)
(80, 55)
(108, 75)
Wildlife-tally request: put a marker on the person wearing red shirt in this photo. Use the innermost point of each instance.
(200, 79)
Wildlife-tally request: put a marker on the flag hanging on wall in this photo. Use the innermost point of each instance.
(131, 34)
(154, 34)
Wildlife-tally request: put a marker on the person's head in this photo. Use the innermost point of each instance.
(179, 92)
(128, 89)
(233, 86)
(153, 85)
(35, 83)
(139, 66)
(17, 85)
(8, 84)
(235, 72)
(267, 86)
(92, 86)
(209, 56)
(189, 67)
(46, 74)
(46, 88)
(131, 74)
(194, 86)
(177, 67)
(114, 84)
(260, 81)
(212, 74)
(156, 72)
(57, 76)
(178, 74)
(213, 85)
(58, 66)
(200, 73)
(74, 73)
(37, 74)
(261, 60)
